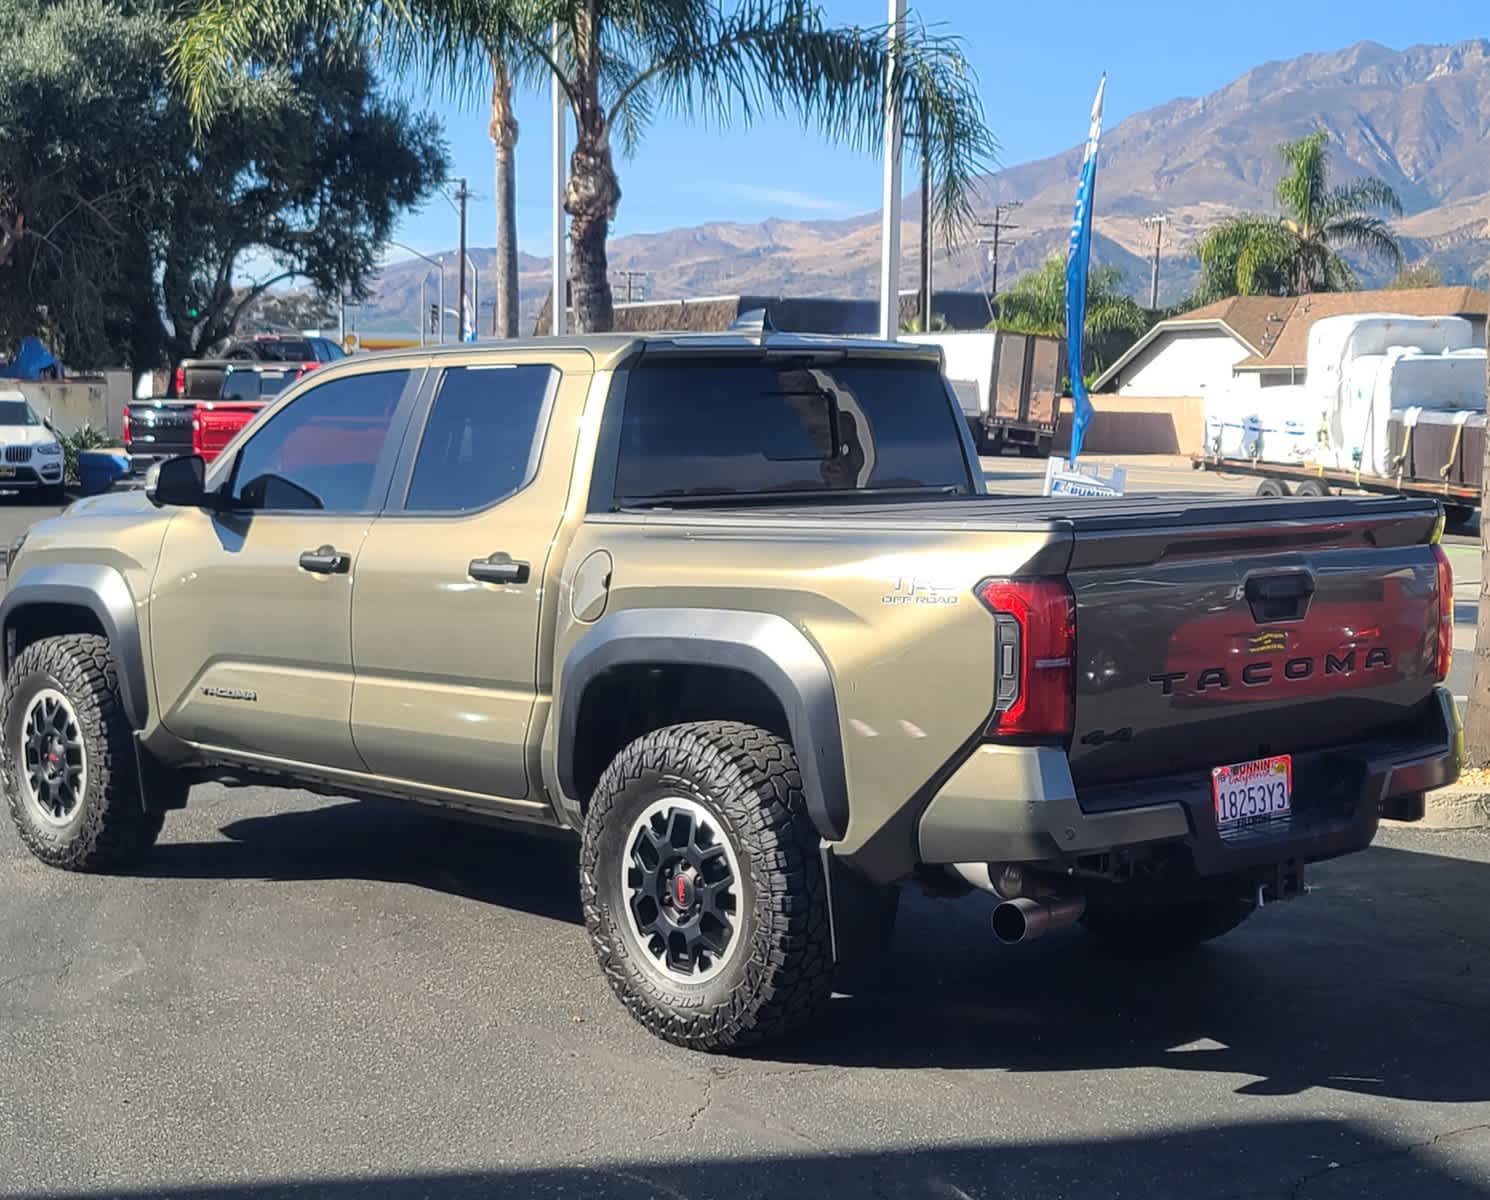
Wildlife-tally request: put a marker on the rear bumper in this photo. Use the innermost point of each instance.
(1018, 804)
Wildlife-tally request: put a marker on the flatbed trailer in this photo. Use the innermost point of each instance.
(1460, 501)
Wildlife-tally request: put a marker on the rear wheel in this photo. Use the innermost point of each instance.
(703, 891)
(1272, 487)
(66, 753)
(1165, 927)
(1311, 487)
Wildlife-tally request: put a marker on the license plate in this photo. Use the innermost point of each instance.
(7, 472)
(1253, 792)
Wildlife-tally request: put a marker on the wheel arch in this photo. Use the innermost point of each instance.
(53, 599)
(769, 655)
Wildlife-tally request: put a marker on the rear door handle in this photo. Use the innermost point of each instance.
(499, 568)
(328, 560)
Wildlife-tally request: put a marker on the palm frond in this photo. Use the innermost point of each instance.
(777, 56)
(1362, 195)
(1358, 231)
(1301, 191)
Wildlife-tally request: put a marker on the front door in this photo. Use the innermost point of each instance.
(450, 585)
(251, 617)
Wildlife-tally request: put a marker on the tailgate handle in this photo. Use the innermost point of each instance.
(1279, 597)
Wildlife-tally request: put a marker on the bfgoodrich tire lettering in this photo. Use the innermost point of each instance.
(777, 974)
(106, 825)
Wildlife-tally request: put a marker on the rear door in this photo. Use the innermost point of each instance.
(1208, 645)
(451, 593)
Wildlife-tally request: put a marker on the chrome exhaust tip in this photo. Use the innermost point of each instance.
(1024, 919)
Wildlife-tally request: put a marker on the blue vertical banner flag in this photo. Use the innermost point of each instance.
(1078, 261)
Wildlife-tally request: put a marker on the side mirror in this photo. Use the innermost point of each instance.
(179, 482)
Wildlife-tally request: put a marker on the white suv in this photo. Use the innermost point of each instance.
(30, 455)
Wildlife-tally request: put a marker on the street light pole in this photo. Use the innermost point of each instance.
(462, 194)
(890, 215)
(439, 265)
(561, 122)
(1156, 223)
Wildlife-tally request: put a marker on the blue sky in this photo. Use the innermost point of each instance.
(1037, 64)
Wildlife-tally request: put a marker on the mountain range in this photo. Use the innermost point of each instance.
(1419, 119)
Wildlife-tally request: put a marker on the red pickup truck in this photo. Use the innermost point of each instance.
(155, 430)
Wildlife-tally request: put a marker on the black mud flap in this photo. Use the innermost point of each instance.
(861, 915)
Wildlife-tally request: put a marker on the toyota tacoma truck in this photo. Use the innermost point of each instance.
(740, 612)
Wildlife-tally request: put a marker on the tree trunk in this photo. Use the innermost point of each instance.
(504, 140)
(593, 192)
(1477, 713)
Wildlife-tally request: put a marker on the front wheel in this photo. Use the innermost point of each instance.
(67, 757)
(703, 890)
(1165, 927)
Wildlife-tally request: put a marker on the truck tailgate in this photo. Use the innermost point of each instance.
(1217, 641)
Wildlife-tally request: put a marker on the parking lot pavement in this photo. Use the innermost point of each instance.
(301, 997)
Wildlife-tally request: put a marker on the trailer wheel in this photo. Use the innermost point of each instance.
(1273, 487)
(1310, 487)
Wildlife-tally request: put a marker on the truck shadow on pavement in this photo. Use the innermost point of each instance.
(1287, 1160)
(1377, 984)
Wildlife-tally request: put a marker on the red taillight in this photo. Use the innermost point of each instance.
(304, 367)
(126, 427)
(197, 444)
(180, 381)
(1445, 612)
(1034, 646)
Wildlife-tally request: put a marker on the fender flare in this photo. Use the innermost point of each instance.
(763, 645)
(103, 592)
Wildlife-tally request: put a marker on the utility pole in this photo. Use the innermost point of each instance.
(1156, 223)
(890, 213)
(462, 194)
(560, 103)
(926, 230)
(999, 227)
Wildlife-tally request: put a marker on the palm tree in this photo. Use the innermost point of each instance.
(1037, 304)
(620, 63)
(1299, 252)
(503, 131)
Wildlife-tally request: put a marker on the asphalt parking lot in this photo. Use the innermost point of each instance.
(301, 997)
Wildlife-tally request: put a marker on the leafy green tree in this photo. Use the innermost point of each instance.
(1299, 251)
(122, 235)
(622, 62)
(1037, 304)
(1417, 275)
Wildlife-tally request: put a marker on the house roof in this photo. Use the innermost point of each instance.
(1292, 344)
(1254, 321)
(1275, 329)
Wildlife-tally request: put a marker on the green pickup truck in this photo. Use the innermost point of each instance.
(740, 612)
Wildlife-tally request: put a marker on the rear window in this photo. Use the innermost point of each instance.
(284, 350)
(703, 427)
(254, 385)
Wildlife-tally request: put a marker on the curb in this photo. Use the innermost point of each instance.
(1453, 808)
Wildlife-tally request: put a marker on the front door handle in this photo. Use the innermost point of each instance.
(328, 560)
(499, 568)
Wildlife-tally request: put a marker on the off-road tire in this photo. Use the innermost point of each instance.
(1165, 928)
(780, 975)
(111, 827)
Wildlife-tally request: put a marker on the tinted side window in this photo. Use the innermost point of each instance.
(481, 441)
(700, 427)
(323, 449)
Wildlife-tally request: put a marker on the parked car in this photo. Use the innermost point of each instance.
(739, 613)
(30, 454)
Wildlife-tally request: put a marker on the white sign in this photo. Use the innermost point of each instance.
(1084, 479)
